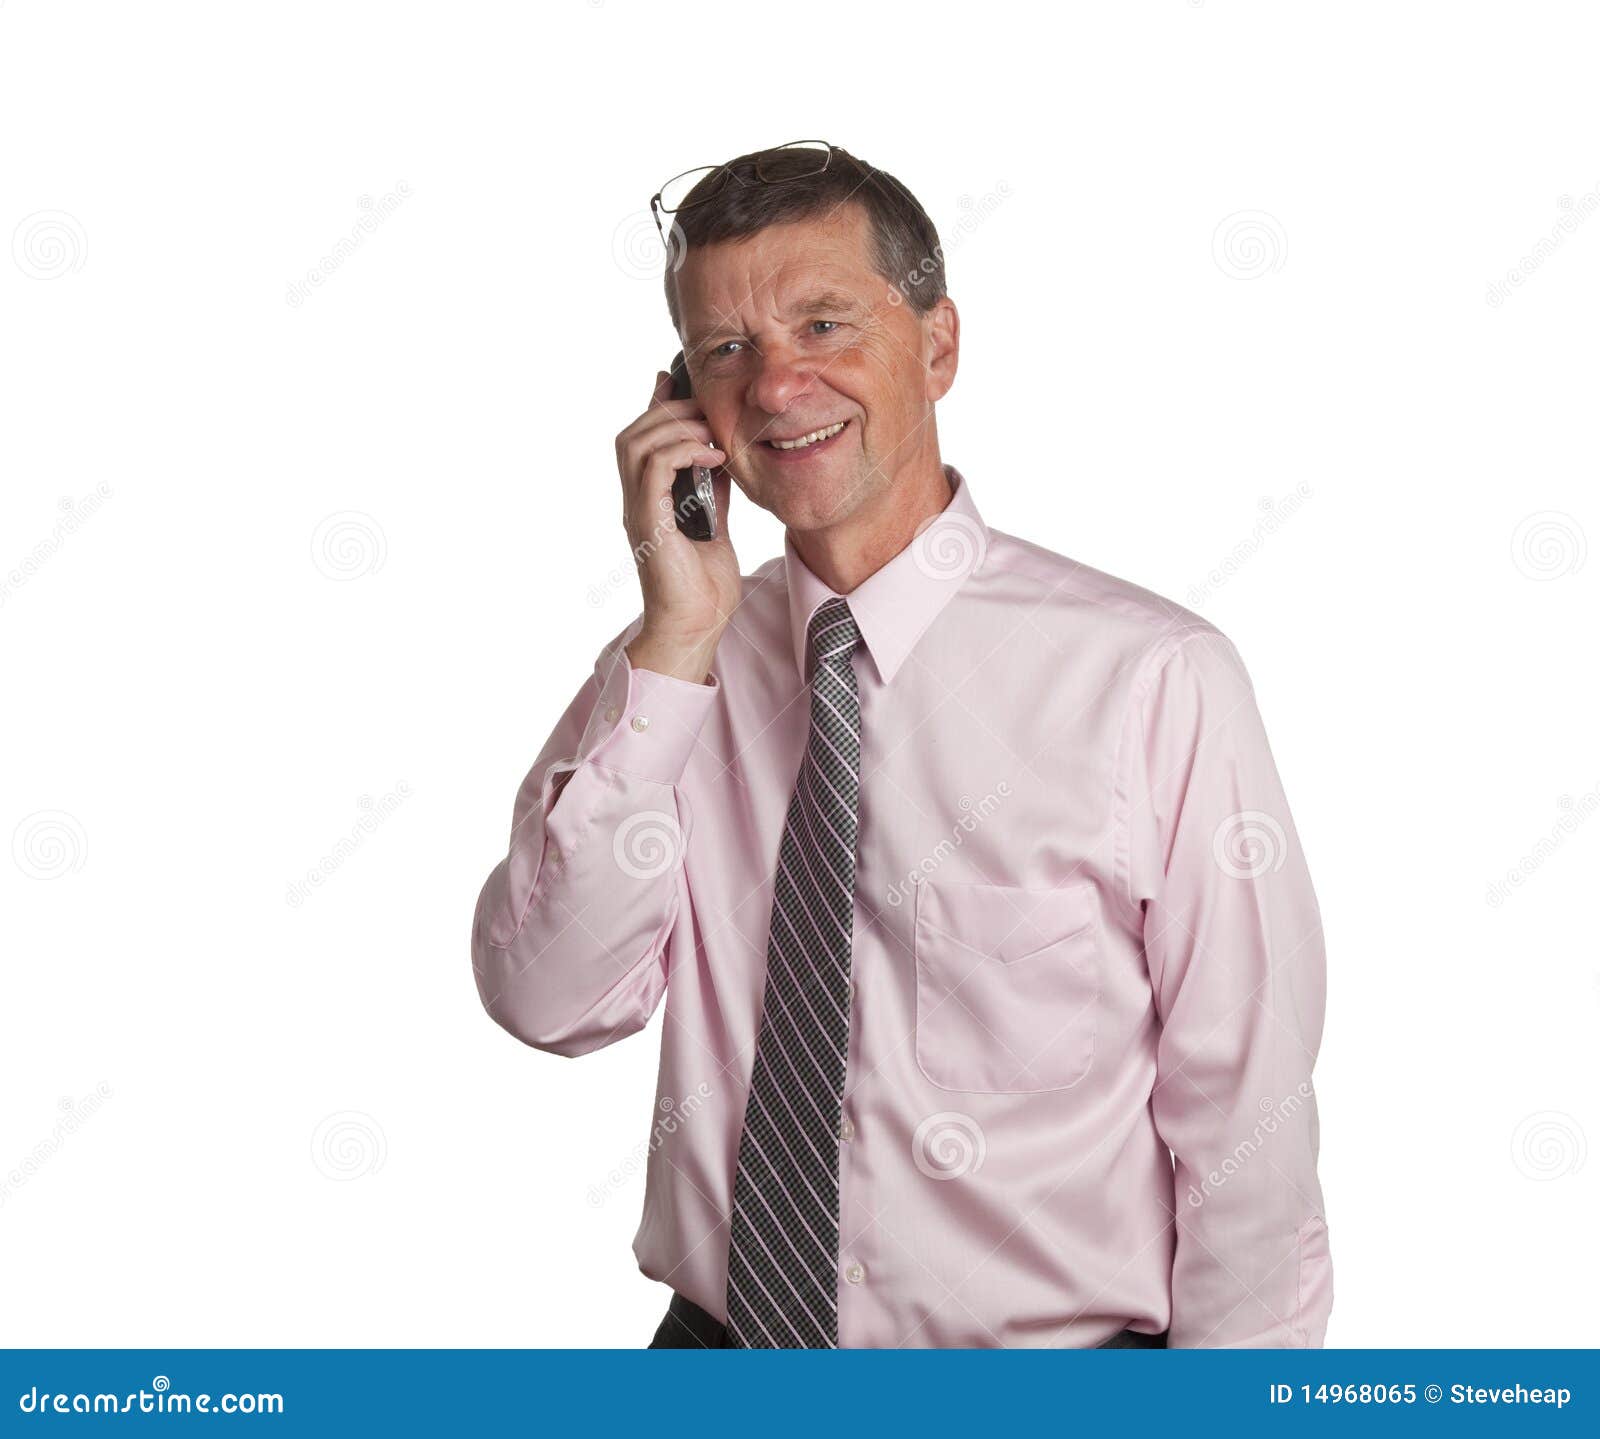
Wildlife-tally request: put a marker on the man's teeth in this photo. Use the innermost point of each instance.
(810, 439)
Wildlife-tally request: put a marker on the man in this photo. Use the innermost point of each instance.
(993, 970)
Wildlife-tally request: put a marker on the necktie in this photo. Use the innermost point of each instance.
(783, 1243)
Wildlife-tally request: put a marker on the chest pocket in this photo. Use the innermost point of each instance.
(1008, 985)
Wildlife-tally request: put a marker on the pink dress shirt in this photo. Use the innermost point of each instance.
(1087, 974)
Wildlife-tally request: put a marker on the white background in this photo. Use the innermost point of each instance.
(309, 1133)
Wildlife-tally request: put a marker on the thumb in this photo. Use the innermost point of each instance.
(663, 389)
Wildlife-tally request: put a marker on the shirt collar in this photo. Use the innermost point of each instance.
(896, 603)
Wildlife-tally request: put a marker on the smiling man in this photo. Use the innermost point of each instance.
(992, 965)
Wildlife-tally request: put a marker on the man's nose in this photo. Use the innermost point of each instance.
(778, 383)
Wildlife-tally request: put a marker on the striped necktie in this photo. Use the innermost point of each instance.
(783, 1243)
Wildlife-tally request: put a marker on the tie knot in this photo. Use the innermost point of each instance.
(833, 631)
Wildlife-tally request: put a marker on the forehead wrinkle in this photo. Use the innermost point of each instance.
(826, 263)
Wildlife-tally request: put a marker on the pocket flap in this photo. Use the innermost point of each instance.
(1002, 921)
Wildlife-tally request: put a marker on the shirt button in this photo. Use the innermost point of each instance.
(855, 1273)
(847, 1130)
(611, 713)
(641, 722)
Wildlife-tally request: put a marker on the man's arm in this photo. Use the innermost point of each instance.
(569, 937)
(1233, 940)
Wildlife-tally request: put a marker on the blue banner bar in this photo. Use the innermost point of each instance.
(736, 1394)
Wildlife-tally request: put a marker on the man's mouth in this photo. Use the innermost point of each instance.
(804, 442)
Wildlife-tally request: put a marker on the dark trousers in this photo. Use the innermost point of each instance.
(688, 1326)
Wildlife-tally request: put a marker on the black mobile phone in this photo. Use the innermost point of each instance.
(694, 502)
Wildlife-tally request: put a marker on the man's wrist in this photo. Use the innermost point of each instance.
(682, 659)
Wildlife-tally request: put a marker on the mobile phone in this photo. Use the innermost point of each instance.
(694, 502)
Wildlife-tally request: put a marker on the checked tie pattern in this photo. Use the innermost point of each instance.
(783, 1243)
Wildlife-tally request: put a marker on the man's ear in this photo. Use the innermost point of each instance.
(941, 329)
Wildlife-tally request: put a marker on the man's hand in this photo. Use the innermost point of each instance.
(690, 586)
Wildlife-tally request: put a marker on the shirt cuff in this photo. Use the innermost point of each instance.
(646, 723)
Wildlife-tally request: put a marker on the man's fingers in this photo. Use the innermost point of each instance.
(635, 447)
(658, 469)
(686, 411)
(682, 453)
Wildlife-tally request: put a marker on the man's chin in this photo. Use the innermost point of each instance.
(814, 502)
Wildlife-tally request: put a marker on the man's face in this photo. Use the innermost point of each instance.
(791, 332)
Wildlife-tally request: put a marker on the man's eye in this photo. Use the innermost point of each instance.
(725, 349)
(831, 325)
